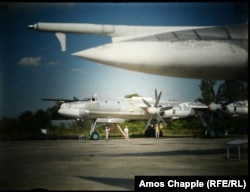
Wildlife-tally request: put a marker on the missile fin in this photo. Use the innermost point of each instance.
(62, 40)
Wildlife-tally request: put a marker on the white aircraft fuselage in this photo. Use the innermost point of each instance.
(210, 52)
(235, 109)
(129, 109)
(125, 108)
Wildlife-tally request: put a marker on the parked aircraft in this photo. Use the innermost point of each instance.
(110, 110)
(213, 119)
(128, 109)
(202, 52)
(236, 109)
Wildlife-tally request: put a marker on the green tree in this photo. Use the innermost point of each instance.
(25, 121)
(235, 91)
(207, 91)
(132, 95)
(227, 91)
(41, 119)
(53, 112)
(8, 125)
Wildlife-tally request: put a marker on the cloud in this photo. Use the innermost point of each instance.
(30, 61)
(52, 63)
(76, 70)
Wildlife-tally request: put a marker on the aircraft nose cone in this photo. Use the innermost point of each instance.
(31, 26)
(73, 112)
(65, 112)
(100, 53)
(121, 54)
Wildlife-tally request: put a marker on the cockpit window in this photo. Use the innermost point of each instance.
(89, 99)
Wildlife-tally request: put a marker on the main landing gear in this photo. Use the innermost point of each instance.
(93, 135)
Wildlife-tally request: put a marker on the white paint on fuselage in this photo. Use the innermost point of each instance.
(104, 108)
(189, 58)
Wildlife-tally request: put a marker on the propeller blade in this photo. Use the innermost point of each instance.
(148, 123)
(213, 93)
(147, 103)
(226, 103)
(217, 94)
(157, 101)
(155, 110)
(166, 108)
(156, 94)
(211, 118)
(160, 119)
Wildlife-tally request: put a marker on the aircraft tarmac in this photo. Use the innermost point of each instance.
(112, 165)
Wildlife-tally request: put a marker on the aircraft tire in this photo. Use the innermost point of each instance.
(95, 136)
(221, 132)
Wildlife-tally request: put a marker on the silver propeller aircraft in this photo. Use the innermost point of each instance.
(202, 52)
(213, 118)
(236, 109)
(127, 109)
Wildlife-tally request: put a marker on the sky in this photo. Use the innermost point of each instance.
(32, 66)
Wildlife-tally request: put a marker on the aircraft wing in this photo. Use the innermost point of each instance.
(116, 32)
(164, 105)
(231, 32)
(120, 33)
(62, 100)
(198, 106)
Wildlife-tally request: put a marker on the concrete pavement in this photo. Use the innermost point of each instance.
(112, 165)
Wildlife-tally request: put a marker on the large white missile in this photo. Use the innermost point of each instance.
(190, 52)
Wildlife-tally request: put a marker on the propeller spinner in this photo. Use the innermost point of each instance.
(155, 110)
